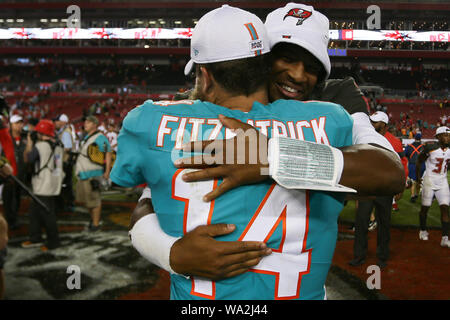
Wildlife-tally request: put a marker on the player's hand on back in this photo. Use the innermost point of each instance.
(199, 254)
(238, 161)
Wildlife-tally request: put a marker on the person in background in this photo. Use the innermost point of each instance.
(5, 171)
(8, 167)
(45, 156)
(412, 152)
(88, 172)
(436, 157)
(383, 207)
(112, 136)
(3, 243)
(11, 194)
(398, 147)
(64, 133)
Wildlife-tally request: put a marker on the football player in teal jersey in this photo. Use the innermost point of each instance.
(261, 212)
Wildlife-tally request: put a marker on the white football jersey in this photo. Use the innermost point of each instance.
(436, 167)
(112, 138)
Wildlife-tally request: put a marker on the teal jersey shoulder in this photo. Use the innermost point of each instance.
(301, 226)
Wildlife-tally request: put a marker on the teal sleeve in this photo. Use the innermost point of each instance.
(127, 169)
(103, 143)
(343, 126)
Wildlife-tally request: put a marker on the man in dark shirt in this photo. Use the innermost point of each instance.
(412, 152)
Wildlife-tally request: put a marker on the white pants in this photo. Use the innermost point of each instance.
(442, 195)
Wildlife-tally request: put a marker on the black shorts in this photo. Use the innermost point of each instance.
(2, 257)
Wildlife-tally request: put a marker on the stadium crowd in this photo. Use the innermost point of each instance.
(112, 72)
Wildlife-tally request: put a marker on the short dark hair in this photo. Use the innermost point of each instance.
(242, 76)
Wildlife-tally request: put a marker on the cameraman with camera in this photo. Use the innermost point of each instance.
(92, 168)
(45, 155)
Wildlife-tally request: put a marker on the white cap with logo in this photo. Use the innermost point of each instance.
(443, 129)
(380, 116)
(227, 33)
(63, 118)
(15, 118)
(300, 24)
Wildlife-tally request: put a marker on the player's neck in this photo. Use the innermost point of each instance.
(241, 102)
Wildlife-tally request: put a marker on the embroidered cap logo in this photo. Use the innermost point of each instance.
(298, 13)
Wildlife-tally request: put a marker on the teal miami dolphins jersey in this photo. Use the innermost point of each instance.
(299, 225)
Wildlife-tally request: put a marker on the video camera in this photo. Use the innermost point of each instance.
(33, 135)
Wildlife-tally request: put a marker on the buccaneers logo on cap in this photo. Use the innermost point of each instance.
(298, 13)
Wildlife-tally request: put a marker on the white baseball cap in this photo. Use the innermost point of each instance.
(15, 118)
(63, 118)
(380, 116)
(227, 33)
(300, 24)
(442, 130)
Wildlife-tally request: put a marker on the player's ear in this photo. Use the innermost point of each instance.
(207, 77)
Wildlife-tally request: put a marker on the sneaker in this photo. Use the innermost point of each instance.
(445, 242)
(372, 225)
(423, 235)
(29, 244)
(382, 264)
(44, 248)
(357, 262)
(92, 228)
(413, 199)
(395, 207)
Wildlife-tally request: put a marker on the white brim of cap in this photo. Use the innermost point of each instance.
(188, 68)
(441, 133)
(321, 55)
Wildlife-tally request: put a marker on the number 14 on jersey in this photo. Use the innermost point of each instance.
(288, 208)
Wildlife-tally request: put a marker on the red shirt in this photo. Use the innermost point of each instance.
(398, 147)
(8, 148)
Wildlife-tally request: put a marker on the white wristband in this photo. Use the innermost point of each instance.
(298, 164)
(152, 242)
